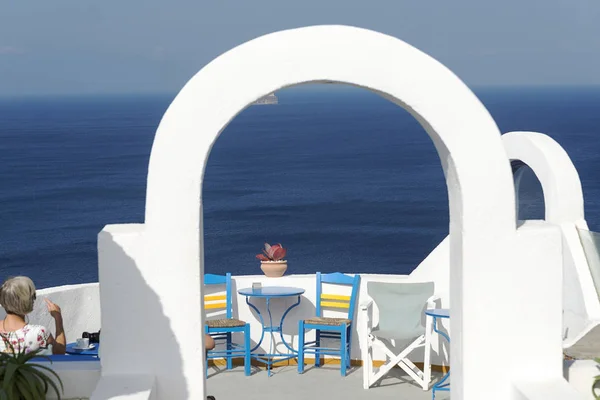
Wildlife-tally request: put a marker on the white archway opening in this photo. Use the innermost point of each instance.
(529, 193)
(288, 173)
(563, 196)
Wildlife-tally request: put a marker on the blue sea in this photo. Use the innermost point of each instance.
(345, 180)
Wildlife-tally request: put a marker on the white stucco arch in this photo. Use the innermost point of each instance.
(479, 182)
(563, 195)
(167, 251)
(564, 204)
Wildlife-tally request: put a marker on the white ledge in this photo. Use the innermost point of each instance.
(548, 389)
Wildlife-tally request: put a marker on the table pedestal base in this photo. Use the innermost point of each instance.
(271, 358)
(443, 385)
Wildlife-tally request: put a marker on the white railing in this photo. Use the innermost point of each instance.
(81, 310)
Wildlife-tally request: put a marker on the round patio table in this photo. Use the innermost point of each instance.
(437, 313)
(268, 293)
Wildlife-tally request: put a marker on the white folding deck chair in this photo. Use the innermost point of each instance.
(401, 314)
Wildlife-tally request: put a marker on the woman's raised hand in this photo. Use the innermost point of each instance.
(53, 309)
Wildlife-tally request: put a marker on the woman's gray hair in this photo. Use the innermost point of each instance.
(17, 295)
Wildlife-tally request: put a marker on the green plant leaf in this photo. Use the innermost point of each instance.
(34, 383)
(24, 389)
(11, 368)
(43, 389)
(596, 383)
(38, 379)
(11, 392)
(21, 379)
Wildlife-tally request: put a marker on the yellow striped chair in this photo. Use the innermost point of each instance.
(330, 328)
(221, 329)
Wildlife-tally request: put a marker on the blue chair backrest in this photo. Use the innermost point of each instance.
(218, 301)
(325, 300)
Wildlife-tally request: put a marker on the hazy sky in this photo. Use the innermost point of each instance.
(84, 46)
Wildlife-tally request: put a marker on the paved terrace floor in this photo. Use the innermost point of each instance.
(315, 383)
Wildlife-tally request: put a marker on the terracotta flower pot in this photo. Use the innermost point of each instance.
(274, 269)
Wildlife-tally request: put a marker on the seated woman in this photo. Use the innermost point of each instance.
(17, 296)
(209, 342)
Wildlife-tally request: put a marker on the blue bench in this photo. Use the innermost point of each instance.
(66, 357)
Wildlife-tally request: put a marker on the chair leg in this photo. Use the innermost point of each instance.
(317, 352)
(349, 345)
(247, 358)
(206, 367)
(366, 352)
(348, 358)
(229, 357)
(300, 346)
(343, 349)
(427, 355)
(206, 359)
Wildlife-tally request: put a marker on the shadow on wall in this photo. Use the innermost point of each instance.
(148, 348)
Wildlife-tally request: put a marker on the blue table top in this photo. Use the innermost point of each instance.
(438, 312)
(92, 352)
(271, 291)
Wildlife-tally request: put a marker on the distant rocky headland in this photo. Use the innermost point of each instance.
(269, 99)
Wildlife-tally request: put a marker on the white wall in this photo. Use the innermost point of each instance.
(536, 333)
(436, 268)
(79, 379)
(581, 303)
(564, 206)
(581, 306)
(144, 331)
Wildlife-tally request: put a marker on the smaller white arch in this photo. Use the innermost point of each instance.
(564, 204)
(563, 195)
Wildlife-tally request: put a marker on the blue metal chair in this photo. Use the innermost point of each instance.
(222, 329)
(330, 328)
